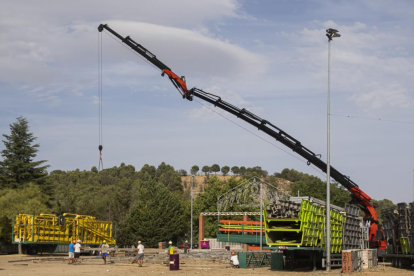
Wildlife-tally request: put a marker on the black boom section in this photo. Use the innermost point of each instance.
(274, 132)
(136, 47)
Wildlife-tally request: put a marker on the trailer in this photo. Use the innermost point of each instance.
(53, 234)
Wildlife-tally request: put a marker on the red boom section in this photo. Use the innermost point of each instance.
(182, 85)
(370, 213)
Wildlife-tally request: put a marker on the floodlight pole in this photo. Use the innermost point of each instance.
(328, 169)
(192, 181)
(329, 33)
(261, 216)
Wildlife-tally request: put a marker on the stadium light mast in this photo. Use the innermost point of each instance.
(330, 33)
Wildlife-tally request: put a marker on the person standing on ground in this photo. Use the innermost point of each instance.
(170, 251)
(77, 250)
(186, 246)
(72, 252)
(105, 250)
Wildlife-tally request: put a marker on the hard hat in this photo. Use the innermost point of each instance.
(186, 241)
(170, 242)
(139, 241)
(104, 241)
(79, 241)
(232, 253)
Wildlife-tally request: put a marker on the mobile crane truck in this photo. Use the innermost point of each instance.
(358, 197)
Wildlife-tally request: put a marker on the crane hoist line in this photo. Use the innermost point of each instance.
(358, 196)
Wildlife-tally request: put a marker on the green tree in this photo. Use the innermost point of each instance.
(215, 168)
(206, 170)
(242, 170)
(157, 216)
(26, 200)
(18, 166)
(169, 177)
(381, 205)
(225, 170)
(291, 175)
(194, 169)
(182, 172)
(235, 170)
(309, 185)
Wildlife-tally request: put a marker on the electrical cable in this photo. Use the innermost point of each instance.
(373, 119)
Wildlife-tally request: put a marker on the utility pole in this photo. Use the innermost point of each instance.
(261, 216)
(330, 33)
(191, 235)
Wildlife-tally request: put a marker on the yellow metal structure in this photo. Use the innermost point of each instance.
(52, 229)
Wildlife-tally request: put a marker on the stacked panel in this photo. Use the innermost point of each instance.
(337, 220)
(352, 236)
(303, 225)
(283, 223)
(51, 229)
(398, 226)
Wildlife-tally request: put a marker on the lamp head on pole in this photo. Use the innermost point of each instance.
(331, 33)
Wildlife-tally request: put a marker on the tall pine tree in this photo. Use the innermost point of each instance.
(18, 166)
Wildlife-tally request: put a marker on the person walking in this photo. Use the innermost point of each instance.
(78, 248)
(72, 252)
(140, 257)
(104, 251)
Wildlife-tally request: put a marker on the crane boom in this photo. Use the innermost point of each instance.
(358, 196)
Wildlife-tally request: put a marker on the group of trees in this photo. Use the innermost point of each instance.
(149, 204)
(239, 171)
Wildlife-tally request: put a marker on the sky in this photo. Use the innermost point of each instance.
(270, 57)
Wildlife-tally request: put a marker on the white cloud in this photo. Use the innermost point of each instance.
(56, 60)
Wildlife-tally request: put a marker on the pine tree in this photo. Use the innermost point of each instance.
(18, 166)
(157, 216)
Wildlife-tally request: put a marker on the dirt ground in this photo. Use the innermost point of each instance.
(19, 265)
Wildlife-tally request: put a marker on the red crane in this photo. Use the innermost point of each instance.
(359, 198)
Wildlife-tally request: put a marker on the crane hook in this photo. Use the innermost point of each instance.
(100, 166)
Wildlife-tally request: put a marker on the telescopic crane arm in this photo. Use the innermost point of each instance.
(358, 196)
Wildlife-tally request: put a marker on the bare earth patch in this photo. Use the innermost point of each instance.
(32, 266)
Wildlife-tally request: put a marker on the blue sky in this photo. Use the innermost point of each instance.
(267, 56)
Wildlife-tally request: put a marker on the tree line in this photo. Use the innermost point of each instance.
(215, 168)
(148, 204)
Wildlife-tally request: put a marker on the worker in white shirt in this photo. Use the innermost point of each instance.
(234, 260)
(105, 250)
(140, 257)
(78, 248)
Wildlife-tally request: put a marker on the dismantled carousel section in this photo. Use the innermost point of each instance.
(294, 229)
(53, 234)
(398, 226)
